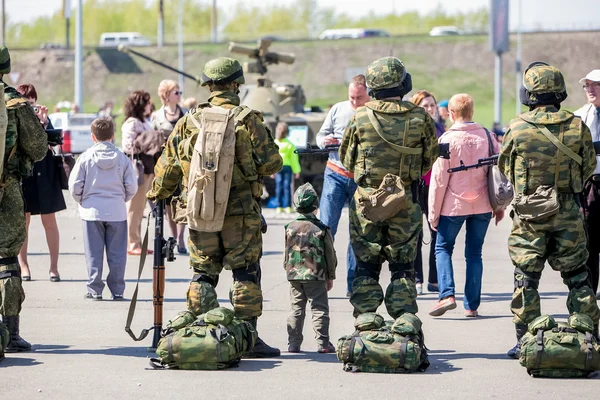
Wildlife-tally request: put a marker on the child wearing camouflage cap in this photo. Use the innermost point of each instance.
(310, 263)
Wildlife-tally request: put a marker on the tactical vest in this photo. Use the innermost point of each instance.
(305, 250)
(376, 158)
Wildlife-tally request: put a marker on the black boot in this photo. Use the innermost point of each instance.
(261, 349)
(17, 343)
(515, 352)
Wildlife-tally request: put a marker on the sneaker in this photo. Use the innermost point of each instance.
(419, 289)
(279, 210)
(515, 352)
(288, 210)
(431, 288)
(471, 313)
(89, 296)
(294, 348)
(329, 348)
(118, 297)
(445, 304)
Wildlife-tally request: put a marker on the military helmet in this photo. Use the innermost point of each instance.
(388, 73)
(542, 84)
(223, 70)
(4, 60)
(306, 199)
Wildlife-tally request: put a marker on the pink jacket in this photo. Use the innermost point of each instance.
(465, 192)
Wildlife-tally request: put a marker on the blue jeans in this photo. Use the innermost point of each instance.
(338, 189)
(283, 187)
(448, 228)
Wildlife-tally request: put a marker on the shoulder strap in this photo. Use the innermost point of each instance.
(574, 156)
(242, 114)
(402, 149)
(490, 145)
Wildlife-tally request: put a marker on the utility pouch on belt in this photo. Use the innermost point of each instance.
(385, 202)
(543, 203)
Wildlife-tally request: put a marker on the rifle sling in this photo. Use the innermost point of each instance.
(557, 142)
(402, 149)
(133, 302)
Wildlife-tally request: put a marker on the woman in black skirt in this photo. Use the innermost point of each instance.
(43, 195)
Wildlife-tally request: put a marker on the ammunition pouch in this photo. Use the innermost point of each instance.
(540, 205)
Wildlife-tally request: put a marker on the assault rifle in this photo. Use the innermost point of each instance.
(482, 162)
(163, 249)
(315, 150)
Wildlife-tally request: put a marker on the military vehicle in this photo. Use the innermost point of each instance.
(277, 102)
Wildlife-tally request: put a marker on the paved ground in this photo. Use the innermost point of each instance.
(80, 349)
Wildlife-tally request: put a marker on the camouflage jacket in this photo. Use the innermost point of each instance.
(366, 154)
(309, 252)
(256, 154)
(528, 158)
(26, 140)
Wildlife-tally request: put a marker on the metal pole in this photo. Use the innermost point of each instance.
(68, 33)
(498, 89)
(518, 61)
(180, 40)
(3, 23)
(79, 55)
(214, 22)
(161, 24)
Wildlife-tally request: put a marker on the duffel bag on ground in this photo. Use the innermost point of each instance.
(215, 340)
(558, 350)
(385, 347)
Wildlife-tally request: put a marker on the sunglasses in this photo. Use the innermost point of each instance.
(177, 92)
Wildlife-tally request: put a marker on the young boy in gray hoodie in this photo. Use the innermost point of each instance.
(101, 182)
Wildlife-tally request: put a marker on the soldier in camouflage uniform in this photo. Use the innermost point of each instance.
(238, 245)
(310, 263)
(369, 155)
(528, 159)
(26, 142)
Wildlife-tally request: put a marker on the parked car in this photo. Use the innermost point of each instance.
(77, 136)
(114, 39)
(444, 31)
(52, 46)
(353, 33)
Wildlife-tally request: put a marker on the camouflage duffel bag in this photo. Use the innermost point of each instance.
(215, 340)
(558, 350)
(4, 339)
(385, 347)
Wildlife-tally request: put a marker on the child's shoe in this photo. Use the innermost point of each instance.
(279, 210)
(288, 210)
(294, 348)
(329, 348)
(89, 296)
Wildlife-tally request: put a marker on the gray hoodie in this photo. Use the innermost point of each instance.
(101, 182)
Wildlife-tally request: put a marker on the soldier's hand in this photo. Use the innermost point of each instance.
(329, 284)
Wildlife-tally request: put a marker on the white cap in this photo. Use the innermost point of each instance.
(593, 76)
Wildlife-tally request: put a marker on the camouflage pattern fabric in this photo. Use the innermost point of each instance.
(314, 293)
(387, 72)
(306, 199)
(394, 240)
(221, 70)
(201, 297)
(527, 158)
(544, 79)
(309, 251)
(239, 243)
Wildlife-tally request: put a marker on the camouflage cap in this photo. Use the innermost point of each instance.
(387, 72)
(4, 60)
(223, 70)
(306, 199)
(540, 77)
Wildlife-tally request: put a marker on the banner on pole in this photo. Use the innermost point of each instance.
(67, 8)
(498, 26)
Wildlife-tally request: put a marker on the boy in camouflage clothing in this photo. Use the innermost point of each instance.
(310, 263)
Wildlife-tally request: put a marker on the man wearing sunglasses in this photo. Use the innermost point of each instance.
(590, 114)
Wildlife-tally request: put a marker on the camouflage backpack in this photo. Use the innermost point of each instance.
(559, 350)
(384, 346)
(215, 340)
(4, 339)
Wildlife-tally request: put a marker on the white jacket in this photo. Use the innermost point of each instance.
(101, 182)
(588, 114)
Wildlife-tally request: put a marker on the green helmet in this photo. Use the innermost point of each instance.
(223, 70)
(543, 84)
(306, 199)
(4, 60)
(385, 73)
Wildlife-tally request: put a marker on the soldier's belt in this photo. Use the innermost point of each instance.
(9, 260)
(595, 178)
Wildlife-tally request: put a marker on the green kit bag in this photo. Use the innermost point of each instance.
(558, 350)
(215, 340)
(385, 347)
(4, 339)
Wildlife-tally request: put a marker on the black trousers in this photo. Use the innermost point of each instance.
(423, 196)
(591, 193)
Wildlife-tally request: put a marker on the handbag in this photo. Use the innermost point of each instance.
(138, 169)
(500, 190)
(64, 165)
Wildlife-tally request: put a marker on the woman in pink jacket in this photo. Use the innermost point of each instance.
(458, 198)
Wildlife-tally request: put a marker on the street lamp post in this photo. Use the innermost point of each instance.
(79, 55)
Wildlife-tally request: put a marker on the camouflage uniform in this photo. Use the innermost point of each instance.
(366, 154)
(310, 261)
(26, 143)
(528, 160)
(238, 245)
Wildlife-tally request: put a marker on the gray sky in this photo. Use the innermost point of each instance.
(553, 14)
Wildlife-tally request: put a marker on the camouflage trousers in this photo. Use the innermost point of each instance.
(394, 241)
(12, 236)
(315, 293)
(561, 241)
(237, 248)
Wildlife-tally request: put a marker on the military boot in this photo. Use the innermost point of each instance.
(515, 352)
(261, 349)
(17, 343)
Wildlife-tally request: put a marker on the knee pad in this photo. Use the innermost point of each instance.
(249, 274)
(367, 295)
(246, 298)
(401, 297)
(367, 270)
(527, 279)
(201, 297)
(402, 270)
(577, 278)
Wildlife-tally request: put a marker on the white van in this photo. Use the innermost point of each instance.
(353, 33)
(114, 39)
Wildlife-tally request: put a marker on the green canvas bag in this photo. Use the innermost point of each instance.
(215, 340)
(559, 350)
(394, 347)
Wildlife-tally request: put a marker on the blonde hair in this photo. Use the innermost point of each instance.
(164, 88)
(462, 105)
